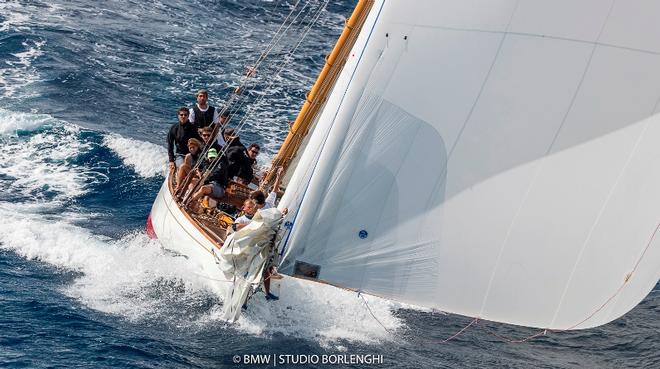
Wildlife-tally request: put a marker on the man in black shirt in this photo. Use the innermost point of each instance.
(206, 133)
(241, 162)
(178, 137)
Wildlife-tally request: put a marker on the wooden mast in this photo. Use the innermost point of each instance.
(319, 92)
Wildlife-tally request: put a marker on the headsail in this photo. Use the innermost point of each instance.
(495, 159)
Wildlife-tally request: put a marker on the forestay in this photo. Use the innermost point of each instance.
(495, 159)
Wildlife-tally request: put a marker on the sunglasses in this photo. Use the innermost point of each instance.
(183, 114)
(206, 135)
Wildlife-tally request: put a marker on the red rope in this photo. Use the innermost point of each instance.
(616, 293)
(475, 320)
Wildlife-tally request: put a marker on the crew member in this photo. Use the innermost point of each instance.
(203, 114)
(216, 181)
(177, 138)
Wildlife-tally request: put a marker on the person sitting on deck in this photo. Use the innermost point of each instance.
(231, 138)
(203, 114)
(195, 149)
(178, 137)
(216, 181)
(206, 133)
(260, 198)
(241, 162)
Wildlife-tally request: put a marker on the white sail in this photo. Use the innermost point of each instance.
(496, 159)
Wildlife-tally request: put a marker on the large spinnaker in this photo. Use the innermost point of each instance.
(495, 159)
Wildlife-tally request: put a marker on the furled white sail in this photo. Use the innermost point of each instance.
(496, 159)
(243, 257)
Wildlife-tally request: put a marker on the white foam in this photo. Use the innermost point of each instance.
(147, 159)
(20, 73)
(10, 121)
(135, 278)
(42, 163)
(25, 58)
(322, 313)
(15, 16)
(116, 275)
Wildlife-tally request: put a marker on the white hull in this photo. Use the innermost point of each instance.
(176, 232)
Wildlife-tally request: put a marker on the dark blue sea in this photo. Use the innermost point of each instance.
(88, 90)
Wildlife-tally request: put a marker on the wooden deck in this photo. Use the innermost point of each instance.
(213, 222)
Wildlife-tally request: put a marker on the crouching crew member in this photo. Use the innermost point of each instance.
(241, 162)
(216, 182)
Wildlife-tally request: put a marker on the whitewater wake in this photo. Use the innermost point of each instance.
(129, 275)
(135, 278)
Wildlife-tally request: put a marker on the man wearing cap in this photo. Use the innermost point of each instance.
(178, 137)
(195, 149)
(203, 114)
(216, 181)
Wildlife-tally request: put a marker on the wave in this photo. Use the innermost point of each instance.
(38, 158)
(135, 278)
(19, 72)
(12, 122)
(115, 276)
(15, 17)
(147, 159)
(322, 313)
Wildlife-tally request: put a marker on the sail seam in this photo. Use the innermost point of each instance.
(469, 115)
(536, 35)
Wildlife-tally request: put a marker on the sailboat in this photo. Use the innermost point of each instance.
(493, 159)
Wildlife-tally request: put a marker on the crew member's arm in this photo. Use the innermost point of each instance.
(170, 148)
(272, 196)
(191, 115)
(278, 180)
(240, 223)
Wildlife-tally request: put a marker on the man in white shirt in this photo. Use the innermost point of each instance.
(202, 114)
(249, 209)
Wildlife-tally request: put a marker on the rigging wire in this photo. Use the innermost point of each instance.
(235, 95)
(286, 61)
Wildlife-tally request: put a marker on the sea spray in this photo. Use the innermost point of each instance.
(147, 159)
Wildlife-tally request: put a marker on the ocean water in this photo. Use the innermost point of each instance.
(87, 92)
